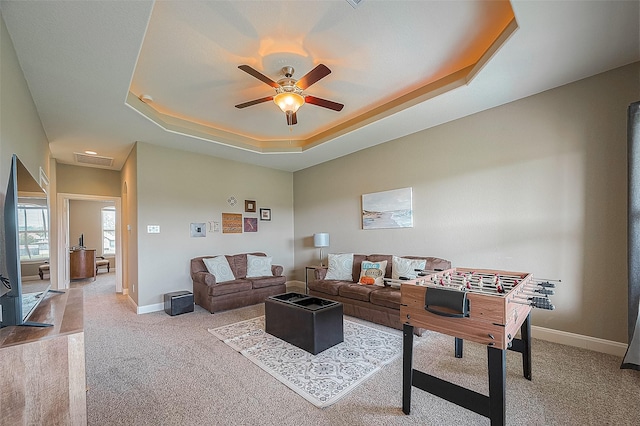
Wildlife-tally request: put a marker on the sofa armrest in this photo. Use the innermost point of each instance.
(320, 272)
(277, 270)
(204, 278)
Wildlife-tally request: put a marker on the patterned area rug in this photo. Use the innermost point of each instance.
(324, 378)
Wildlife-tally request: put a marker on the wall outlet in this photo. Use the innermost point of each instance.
(153, 229)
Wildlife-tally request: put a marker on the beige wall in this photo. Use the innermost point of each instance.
(537, 185)
(21, 132)
(88, 180)
(85, 217)
(176, 188)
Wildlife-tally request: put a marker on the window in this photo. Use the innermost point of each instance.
(109, 230)
(33, 231)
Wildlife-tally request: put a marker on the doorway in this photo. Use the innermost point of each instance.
(64, 240)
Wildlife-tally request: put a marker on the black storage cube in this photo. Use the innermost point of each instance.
(310, 323)
(178, 302)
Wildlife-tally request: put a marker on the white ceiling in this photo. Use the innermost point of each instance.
(86, 62)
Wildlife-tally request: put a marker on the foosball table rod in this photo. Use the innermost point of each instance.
(536, 302)
(534, 291)
(486, 290)
(544, 282)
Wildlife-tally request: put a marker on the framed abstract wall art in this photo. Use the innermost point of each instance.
(387, 209)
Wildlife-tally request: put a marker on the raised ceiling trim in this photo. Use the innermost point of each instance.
(452, 81)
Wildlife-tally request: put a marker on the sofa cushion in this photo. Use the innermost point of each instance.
(328, 286)
(267, 281)
(356, 291)
(387, 296)
(403, 267)
(259, 266)
(219, 267)
(229, 287)
(373, 271)
(340, 267)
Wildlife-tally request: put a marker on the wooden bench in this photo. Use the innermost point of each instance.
(101, 262)
(43, 269)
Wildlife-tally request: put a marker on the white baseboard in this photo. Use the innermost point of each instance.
(132, 303)
(31, 277)
(577, 340)
(150, 308)
(295, 286)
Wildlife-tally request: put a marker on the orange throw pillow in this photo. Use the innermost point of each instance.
(367, 280)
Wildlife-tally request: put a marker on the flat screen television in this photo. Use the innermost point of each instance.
(18, 304)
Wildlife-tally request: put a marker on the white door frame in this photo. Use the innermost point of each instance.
(63, 236)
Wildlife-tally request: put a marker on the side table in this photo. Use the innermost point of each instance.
(306, 276)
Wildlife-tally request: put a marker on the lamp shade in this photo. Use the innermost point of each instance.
(288, 101)
(321, 239)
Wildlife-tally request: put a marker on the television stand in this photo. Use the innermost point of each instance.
(46, 364)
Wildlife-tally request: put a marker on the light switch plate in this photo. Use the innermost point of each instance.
(153, 229)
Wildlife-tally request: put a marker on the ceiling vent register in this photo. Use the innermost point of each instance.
(354, 3)
(94, 160)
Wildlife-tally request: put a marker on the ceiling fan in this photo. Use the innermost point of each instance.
(289, 91)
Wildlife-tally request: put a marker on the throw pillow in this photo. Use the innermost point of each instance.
(219, 267)
(340, 267)
(402, 267)
(373, 272)
(259, 266)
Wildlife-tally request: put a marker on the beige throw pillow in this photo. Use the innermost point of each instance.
(219, 267)
(340, 267)
(259, 266)
(402, 267)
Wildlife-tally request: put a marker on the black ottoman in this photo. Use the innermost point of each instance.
(308, 322)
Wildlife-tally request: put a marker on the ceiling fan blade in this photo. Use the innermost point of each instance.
(319, 72)
(254, 102)
(258, 75)
(323, 103)
(292, 119)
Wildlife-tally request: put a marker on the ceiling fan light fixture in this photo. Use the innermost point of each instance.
(289, 102)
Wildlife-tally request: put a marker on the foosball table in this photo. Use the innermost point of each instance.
(482, 305)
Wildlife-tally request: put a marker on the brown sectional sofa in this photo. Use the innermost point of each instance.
(380, 305)
(242, 291)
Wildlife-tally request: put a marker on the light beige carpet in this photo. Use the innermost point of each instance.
(154, 369)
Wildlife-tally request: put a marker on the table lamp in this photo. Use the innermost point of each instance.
(321, 240)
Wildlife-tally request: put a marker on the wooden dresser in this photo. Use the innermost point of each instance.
(42, 370)
(82, 264)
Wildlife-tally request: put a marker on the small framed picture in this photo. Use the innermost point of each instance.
(249, 206)
(265, 214)
(250, 224)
